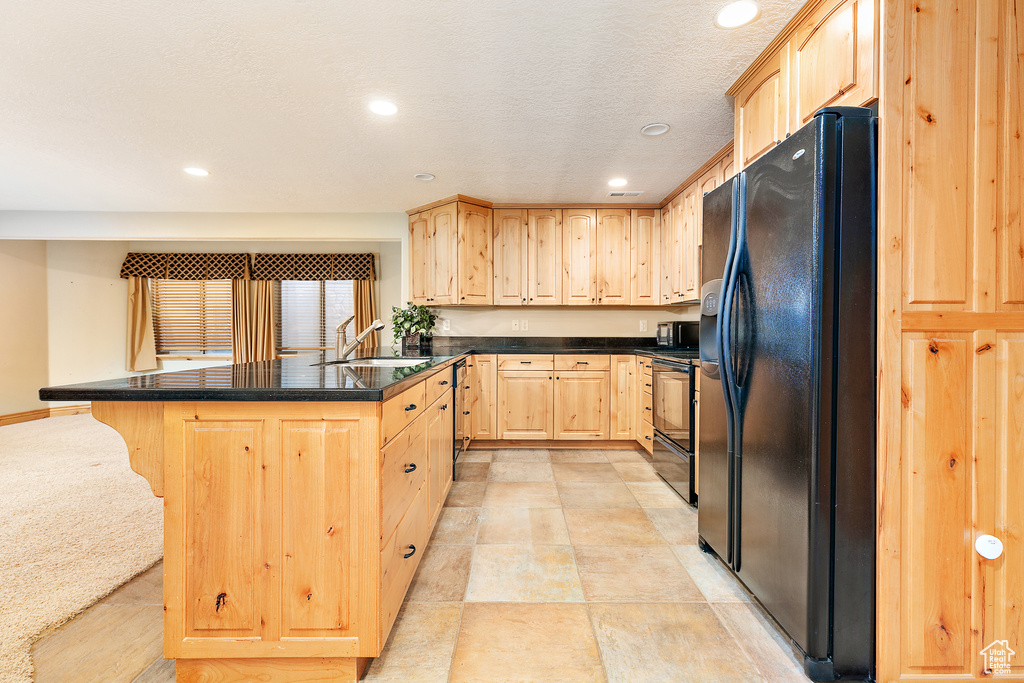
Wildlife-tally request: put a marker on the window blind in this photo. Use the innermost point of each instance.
(192, 316)
(309, 311)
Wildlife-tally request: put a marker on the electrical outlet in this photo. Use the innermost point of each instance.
(643, 325)
(446, 325)
(515, 325)
(525, 325)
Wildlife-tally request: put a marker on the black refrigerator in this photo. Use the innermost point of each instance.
(787, 414)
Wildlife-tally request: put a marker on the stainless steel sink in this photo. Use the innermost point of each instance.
(379, 362)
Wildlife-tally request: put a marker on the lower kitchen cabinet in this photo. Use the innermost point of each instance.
(439, 426)
(581, 405)
(483, 377)
(525, 404)
(622, 403)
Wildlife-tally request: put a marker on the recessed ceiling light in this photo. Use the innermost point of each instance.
(424, 176)
(193, 170)
(736, 14)
(655, 129)
(383, 107)
(618, 182)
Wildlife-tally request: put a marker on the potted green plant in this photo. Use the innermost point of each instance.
(413, 325)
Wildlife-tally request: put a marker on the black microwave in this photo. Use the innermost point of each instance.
(678, 334)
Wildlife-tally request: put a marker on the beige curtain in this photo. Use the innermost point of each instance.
(262, 329)
(366, 310)
(141, 346)
(241, 339)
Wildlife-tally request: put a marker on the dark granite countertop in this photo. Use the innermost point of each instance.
(312, 377)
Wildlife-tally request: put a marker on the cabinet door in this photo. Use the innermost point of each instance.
(666, 245)
(581, 405)
(544, 260)
(622, 423)
(442, 246)
(676, 246)
(475, 282)
(709, 181)
(728, 167)
(484, 403)
(435, 417)
(833, 59)
(613, 257)
(689, 256)
(510, 257)
(762, 109)
(579, 274)
(645, 257)
(447, 443)
(420, 260)
(524, 404)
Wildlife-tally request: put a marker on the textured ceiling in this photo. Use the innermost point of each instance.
(103, 102)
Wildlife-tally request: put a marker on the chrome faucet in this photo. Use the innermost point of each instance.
(349, 348)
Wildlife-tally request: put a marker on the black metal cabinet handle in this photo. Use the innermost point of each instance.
(648, 438)
(525, 362)
(443, 382)
(444, 407)
(583, 362)
(410, 468)
(411, 406)
(465, 412)
(412, 551)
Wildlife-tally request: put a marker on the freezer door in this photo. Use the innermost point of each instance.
(714, 515)
(776, 332)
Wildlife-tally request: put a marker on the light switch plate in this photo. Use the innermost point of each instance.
(515, 325)
(524, 325)
(643, 325)
(446, 325)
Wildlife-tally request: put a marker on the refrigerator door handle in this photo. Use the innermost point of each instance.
(724, 335)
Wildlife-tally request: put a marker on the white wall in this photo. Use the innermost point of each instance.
(565, 321)
(87, 311)
(23, 325)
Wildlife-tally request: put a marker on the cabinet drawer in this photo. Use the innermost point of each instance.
(398, 485)
(396, 570)
(437, 384)
(526, 361)
(646, 384)
(646, 437)
(594, 362)
(399, 411)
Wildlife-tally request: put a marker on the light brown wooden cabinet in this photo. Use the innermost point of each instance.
(622, 404)
(826, 56)
(525, 404)
(450, 255)
(613, 257)
(645, 257)
(483, 369)
(511, 274)
(832, 59)
(581, 404)
(439, 425)
(544, 259)
(579, 263)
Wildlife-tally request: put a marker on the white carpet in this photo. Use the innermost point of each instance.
(75, 523)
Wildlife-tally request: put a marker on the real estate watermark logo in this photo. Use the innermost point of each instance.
(997, 657)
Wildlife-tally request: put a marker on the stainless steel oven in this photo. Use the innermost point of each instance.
(673, 407)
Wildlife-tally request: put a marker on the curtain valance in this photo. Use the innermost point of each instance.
(313, 267)
(186, 266)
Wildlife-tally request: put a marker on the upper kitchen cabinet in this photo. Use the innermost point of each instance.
(762, 105)
(826, 56)
(450, 254)
(613, 257)
(645, 257)
(510, 257)
(832, 59)
(579, 263)
(544, 256)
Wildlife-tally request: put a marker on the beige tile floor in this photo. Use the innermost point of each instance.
(546, 565)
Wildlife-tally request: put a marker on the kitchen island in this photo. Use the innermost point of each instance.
(298, 500)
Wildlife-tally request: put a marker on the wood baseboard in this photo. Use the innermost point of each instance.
(481, 445)
(29, 415)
